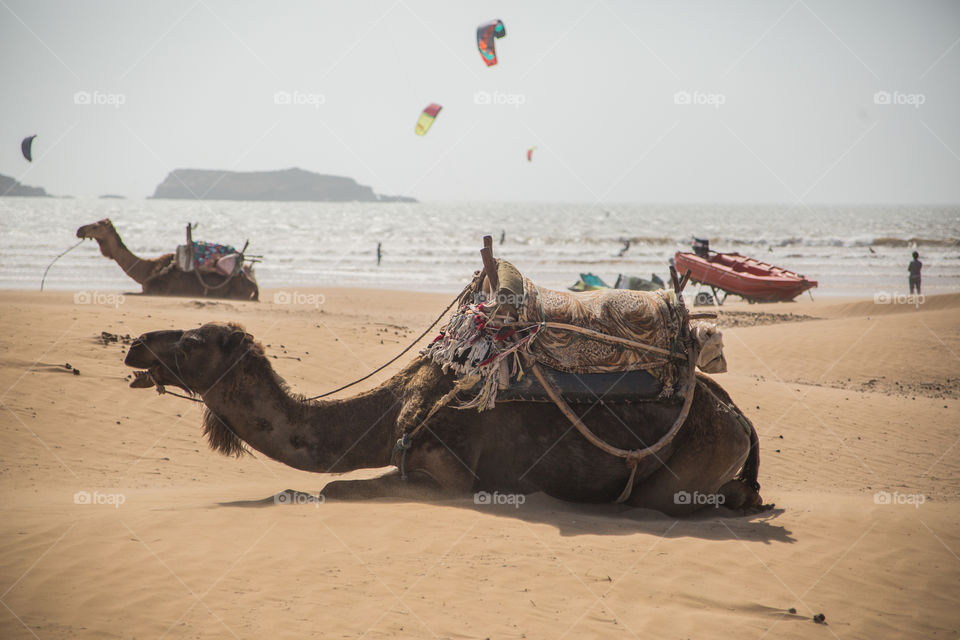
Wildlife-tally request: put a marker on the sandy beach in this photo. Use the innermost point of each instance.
(119, 522)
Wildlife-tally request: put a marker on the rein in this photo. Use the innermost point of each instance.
(397, 357)
(162, 390)
(44, 278)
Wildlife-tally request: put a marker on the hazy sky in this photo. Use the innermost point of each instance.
(782, 97)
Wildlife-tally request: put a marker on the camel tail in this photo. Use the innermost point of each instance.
(751, 468)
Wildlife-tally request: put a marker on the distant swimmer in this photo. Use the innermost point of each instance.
(914, 269)
(379, 252)
(626, 247)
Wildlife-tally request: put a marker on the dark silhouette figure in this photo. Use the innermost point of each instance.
(626, 247)
(379, 252)
(503, 235)
(914, 270)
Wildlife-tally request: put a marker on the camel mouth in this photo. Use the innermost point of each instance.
(154, 378)
(143, 380)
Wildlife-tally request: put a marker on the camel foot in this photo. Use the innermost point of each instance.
(737, 495)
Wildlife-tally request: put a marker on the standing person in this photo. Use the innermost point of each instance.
(914, 270)
(379, 253)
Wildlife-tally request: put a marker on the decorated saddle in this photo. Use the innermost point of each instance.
(630, 344)
(209, 257)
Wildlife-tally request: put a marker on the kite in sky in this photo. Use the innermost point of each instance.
(26, 147)
(485, 37)
(427, 117)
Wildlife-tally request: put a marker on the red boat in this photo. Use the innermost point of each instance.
(739, 275)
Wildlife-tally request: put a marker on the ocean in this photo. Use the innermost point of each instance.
(850, 251)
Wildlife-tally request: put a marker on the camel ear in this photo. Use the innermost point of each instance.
(234, 340)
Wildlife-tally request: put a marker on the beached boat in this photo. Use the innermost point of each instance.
(739, 275)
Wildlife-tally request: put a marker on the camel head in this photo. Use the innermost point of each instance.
(103, 232)
(196, 360)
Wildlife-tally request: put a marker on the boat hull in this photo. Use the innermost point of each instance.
(742, 276)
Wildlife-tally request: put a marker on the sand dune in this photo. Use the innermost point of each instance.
(855, 409)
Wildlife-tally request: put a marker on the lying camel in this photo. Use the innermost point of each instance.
(517, 447)
(162, 277)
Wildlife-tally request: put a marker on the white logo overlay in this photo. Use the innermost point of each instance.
(515, 100)
(897, 98)
(298, 298)
(715, 100)
(497, 498)
(113, 499)
(700, 499)
(299, 98)
(99, 298)
(885, 497)
(99, 99)
(885, 297)
(299, 497)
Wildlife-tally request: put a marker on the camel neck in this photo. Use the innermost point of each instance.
(328, 436)
(136, 268)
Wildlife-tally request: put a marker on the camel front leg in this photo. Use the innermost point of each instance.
(417, 486)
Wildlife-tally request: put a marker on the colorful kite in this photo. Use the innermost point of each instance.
(427, 117)
(485, 36)
(530, 154)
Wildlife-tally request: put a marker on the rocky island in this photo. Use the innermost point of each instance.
(10, 187)
(284, 185)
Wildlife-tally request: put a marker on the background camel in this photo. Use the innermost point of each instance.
(161, 276)
(518, 447)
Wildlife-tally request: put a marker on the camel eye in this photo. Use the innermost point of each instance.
(187, 344)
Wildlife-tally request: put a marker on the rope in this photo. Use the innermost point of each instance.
(603, 337)
(207, 287)
(42, 280)
(635, 456)
(398, 356)
(162, 390)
